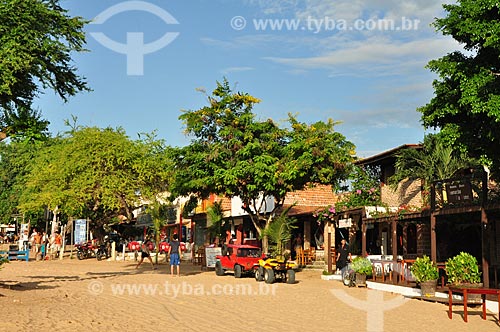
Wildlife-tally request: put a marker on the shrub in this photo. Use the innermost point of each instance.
(463, 268)
(362, 265)
(424, 269)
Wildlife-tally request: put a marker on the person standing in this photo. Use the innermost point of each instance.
(175, 251)
(145, 253)
(343, 256)
(57, 243)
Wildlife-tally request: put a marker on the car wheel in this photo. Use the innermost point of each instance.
(290, 277)
(237, 271)
(268, 276)
(259, 274)
(218, 269)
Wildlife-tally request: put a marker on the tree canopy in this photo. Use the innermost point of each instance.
(15, 164)
(96, 173)
(466, 104)
(37, 39)
(234, 154)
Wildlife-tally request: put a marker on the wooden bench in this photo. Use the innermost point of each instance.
(465, 292)
(15, 255)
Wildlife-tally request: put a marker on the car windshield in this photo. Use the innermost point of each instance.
(248, 252)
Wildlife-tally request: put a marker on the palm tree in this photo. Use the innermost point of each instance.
(215, 215)
(435, 161)
(279, 233)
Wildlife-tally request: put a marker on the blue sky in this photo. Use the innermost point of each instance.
(329, 59)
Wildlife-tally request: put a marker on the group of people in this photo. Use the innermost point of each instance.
(174, 253)
(41, 243)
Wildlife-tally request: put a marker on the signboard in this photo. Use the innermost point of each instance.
(210, 254)
(80, 230)
(459, 192)
(345, 223)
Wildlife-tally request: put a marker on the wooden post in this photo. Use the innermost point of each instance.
(329, 252)
(363, 237)
(307, 234)
(433, 238)
(394, 228)
(485, 247)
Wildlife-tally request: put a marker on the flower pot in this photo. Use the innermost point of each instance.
(474, 298)
(428, 288)
(360, 279)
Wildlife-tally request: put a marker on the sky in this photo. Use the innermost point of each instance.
(359, 62)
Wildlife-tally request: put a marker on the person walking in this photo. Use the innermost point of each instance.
(145, 253)
(175, 251)
(343, 256)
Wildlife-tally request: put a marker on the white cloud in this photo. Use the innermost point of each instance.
(376, 56)
(236, 69)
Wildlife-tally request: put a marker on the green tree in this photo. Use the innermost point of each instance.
(37, 38)
(23, 124)
(216, 225)
(435, 161)
(364, 185)
(279, 233)
(16, 160)
(233, 154)
(466, 104)
(96, 173)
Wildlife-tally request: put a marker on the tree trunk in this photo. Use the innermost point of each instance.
(265, 244)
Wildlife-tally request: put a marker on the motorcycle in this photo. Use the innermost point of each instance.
(85, 250)
(104, 250)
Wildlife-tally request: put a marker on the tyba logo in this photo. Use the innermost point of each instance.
(135, 49)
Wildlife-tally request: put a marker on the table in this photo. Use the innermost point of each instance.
(465, 292)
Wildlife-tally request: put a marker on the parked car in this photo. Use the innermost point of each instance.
(242, 259)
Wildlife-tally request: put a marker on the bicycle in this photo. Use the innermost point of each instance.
(348, 276)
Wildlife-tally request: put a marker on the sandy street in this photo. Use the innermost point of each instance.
(88, 295)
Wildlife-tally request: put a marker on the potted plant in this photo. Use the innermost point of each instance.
(463, 271)
(363, 267)
(426, 274)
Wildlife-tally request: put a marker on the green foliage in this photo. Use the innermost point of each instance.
(466, 100)
(423, 269)
(233, 154)
(463, 268)
(279, 233)
(365, 189)
(23, 124)
(37, 38)
(362, 265)
(96, 173)
(216, 225)
(327, 214)
(3, 261)
(16, 161)
(435, 161)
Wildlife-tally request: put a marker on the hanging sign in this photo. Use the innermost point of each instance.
(345, 223)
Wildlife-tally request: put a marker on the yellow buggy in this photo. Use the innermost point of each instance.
(272, 269)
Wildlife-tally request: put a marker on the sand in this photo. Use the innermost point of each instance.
(73, 295)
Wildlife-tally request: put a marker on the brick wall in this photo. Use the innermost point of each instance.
(408, 192)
